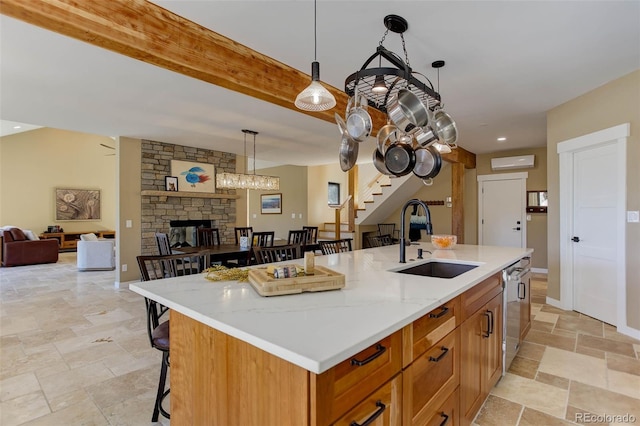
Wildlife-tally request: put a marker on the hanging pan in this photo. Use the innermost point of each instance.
(400, 157)
(348, 153)
(378, 162)
(359, 122)
(407, 111)
(428, 163)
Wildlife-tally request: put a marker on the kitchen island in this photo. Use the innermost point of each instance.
(239, 358)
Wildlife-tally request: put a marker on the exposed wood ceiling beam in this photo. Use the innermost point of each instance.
(147, 32)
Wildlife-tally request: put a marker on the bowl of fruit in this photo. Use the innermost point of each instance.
(444, 242)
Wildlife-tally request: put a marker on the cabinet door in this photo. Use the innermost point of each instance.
(524, 296)
(382, 408)
(493, 354)
(473, 333)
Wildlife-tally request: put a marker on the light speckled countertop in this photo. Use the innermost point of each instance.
(319, 330)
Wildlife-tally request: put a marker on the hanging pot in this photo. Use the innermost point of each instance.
(387, 136)
(400, 157)
(348, 153)
(359, 122)
(378, 162)
(428, 163)
(425, 137)
(407, 111)
(444, 128)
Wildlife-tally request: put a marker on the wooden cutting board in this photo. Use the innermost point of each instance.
(323, 279)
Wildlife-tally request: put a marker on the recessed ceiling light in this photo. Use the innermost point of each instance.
(502, 139)
(17, 127)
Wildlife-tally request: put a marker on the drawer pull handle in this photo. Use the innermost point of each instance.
(524, 290)
(379, 351)
(446, 419)
(490, 322)
(444, 350)
(486, 314)
(441, 313)
(380, 410)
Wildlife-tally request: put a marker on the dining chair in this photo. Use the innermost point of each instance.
(245, 231)
(335, 246)
(207, 237)
(162, 241)
(382, 240)
(389, 229)
(298, 236)
(312, 237)
(156, 267)
(262, 238)
(374, 241)
(277, 254)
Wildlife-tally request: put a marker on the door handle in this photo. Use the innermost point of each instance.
(576, 239)
(524, 290)
(486, 336)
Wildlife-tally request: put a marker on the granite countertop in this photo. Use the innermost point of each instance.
(319, 330)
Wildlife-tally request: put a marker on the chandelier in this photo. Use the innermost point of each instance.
(245, 180)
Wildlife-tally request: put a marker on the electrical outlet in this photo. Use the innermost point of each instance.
(293, 215)
(255, 215)
(300, 216)
(128, 224)
(528, 217)
(124, 267)
(633, 216)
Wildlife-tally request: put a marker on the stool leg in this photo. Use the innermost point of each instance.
(161, 384)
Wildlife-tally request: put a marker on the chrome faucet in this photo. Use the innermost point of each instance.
(413, 202)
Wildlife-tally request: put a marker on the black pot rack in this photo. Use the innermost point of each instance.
(400, 76)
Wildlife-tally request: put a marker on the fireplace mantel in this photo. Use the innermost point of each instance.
(188, 194)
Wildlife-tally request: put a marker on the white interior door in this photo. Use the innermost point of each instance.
(592, 203)
(502, 201)
(594, 237)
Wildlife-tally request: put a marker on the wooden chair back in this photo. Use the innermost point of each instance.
(312, 237)
(162, 241)
(382, 240)
(262, 238)
(277, 254)
(207, 237)
(336, 246)
(298, 236)
(245, 231)
(156, 267)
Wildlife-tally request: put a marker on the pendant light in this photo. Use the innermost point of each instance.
(315, 97)
(246, 180)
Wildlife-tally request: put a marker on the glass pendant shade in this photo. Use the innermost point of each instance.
(315, 97)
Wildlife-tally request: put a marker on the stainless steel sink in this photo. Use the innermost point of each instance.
(438, 269)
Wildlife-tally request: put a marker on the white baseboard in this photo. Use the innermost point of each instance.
(628, 331)
(555, 303)
(540, 270)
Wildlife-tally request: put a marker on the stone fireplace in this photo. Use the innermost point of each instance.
(183, 233)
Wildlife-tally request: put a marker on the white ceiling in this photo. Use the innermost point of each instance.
(507, 63)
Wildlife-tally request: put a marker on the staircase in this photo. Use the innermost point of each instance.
(384, 197)
(328, 231)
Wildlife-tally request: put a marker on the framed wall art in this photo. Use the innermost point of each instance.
(194, 177)
(170, 183)
(77, 204)
(271, 203)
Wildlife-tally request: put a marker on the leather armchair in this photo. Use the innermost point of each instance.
(17, 250)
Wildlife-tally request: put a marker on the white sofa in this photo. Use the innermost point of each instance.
(95, 254)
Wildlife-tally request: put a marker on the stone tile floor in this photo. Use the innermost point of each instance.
(74, 351)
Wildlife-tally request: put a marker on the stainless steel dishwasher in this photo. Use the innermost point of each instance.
(514, 278)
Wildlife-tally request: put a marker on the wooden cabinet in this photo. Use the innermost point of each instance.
(338, 389)
(481, 357)
(431, 379)
(69, 240)
(382, 408)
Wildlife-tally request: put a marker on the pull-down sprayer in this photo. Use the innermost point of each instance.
(413, 202)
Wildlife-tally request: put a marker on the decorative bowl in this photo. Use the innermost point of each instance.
(444, 242)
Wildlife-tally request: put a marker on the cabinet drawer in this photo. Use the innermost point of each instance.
(381, 408)
(340, 388)
(423, 333)
(431, 377)
(477, 296)
(447, 413)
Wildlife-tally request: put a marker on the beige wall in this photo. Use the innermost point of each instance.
(317, 187)
(614, 103)
(293, 187)
(536, 181)
(128, 241)
(34, 163)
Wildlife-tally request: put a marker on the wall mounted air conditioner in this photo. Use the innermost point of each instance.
(517, 162)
